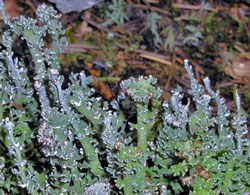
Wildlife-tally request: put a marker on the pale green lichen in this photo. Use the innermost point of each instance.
(66, 140)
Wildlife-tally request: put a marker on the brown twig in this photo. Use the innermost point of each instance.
(181, 81)
(155, 58)
(72, 48)
(225, 84)
(171, 73)
(149, 55)
(146, 7)
(100, 27)
(193, 7)
(245, 24)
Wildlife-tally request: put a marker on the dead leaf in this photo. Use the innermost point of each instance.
(12, 9)
(201, 172)
(104, 90)
(239, 69)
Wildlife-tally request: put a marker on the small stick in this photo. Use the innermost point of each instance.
(3, 12)
(193, 7)
(99, 26)
(146, 7)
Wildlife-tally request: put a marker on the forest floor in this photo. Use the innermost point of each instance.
(114, 40)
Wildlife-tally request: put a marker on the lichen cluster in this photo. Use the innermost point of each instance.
(58, 139)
